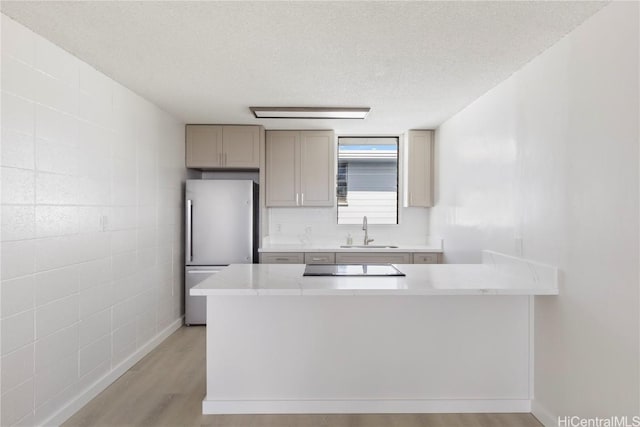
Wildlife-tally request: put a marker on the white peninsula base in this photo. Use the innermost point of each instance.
(278, 350)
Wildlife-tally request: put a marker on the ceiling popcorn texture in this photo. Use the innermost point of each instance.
(414, 63)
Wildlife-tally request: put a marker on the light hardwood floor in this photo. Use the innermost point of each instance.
(166, 388)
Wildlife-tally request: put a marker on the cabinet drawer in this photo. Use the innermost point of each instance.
(319, 258)
(282, 258)
(373, 258)
(425, 258)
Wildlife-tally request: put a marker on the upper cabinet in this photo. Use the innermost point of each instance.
(282, 168)
(317, 159)
(218, 146)
(204, 146)
(241, 146)
(300, 168)
(419, 175)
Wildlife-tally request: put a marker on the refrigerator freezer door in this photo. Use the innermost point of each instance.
(196, 306)
(219, 223)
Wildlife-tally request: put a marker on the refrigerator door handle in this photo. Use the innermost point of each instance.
(189, 231)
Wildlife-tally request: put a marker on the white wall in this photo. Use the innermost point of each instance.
(319, 226)
(79, 300)
(546, 164)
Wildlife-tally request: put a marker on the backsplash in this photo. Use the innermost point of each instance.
(318, 226)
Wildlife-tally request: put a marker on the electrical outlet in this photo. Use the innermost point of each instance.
(308, 229)
(278, 228)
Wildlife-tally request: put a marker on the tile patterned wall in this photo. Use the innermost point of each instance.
(545, 165)
(92, 258)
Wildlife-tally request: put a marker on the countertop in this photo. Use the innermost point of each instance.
(337, 248)
(498, 275)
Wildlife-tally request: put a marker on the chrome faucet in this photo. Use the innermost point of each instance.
(365, 227)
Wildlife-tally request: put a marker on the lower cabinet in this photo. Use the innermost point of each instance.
(282, 258)
(426, 258)
(349, 258)
(373, 258)
(319, 258)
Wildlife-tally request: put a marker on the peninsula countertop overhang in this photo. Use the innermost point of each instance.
(498, 275)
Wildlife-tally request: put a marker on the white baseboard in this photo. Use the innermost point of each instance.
(96, 388)
(543, 415)
(362, 406)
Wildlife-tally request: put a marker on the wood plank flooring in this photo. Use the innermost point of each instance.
(166, 388)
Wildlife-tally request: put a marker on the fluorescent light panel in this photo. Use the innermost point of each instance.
(309, 113)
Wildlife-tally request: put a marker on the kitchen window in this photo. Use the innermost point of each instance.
(367, 180)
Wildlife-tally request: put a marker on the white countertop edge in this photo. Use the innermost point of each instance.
(315, 293)
(280, 292)
(338, 249)
(371, 292)
(223, 292)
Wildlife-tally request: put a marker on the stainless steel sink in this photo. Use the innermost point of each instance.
(369, 246)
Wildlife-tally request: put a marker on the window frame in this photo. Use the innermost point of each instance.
(399, 172)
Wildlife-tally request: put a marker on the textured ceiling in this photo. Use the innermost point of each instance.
(414, 63)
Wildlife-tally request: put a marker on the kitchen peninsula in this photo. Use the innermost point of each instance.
(443, 338)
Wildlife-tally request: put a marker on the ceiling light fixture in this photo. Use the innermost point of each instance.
(309, 112)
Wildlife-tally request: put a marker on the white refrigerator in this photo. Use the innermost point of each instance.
(220, 229)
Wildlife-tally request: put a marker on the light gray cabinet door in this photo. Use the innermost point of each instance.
(204, 146)
(373, 258)
(241, 146)
(282, 164)
(426, 258)
(420, 168)
(319, 258)
(281, 258)
(317, 159)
